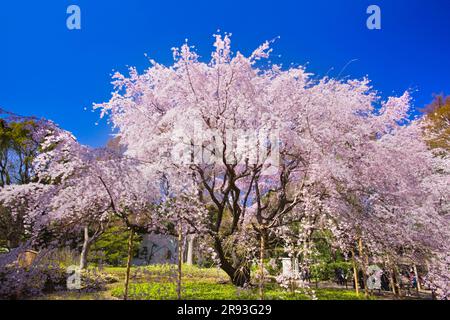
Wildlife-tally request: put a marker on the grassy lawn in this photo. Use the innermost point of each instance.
(204, 290)
(159, 282)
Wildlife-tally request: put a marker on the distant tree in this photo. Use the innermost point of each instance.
(115, 145)
(111, 246)
(438, 127)
(17, 151)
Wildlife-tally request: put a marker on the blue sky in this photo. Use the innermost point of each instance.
(52, 72)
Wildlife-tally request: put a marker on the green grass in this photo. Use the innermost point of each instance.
(189, 271)
(167, 273)
(204, 290)
(158, 282)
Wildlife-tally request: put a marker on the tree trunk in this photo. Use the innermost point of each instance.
(129, 257)
(238, 276)
(190, 250)
(392, 282)
(241, 277)
(364, 267)
(85, 249)
(180, 260)
(391, 274)
(397, 280)
(355, 273)
(261, 266)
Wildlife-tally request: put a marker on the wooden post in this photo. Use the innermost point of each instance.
(355, 273)
(416, 274)
(261, 266)
(129, 257)
(180, 259)
(366, 256)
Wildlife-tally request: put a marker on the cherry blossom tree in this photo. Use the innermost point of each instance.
(78, 188)
(262, 143)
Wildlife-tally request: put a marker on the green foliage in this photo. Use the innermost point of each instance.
(112, 247)
(327, 259)
(204, 290)
(17, 150)
(327, 271)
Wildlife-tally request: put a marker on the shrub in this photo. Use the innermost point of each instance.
(112, 247)
(44, 275)
(40, 277)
